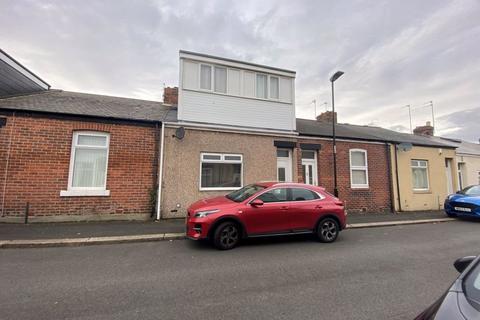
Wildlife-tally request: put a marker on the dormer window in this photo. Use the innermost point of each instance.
(220, 79)
(262, 86)
(205, 77)
(273, 87)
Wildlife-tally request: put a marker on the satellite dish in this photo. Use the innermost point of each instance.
(180, 133)
(405, 146)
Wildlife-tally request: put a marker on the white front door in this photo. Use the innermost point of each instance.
(309, 167)
(448, 171)
(284, 165)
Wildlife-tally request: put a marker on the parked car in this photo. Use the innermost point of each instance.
(462, 300)
(464, 203)
(266, 209)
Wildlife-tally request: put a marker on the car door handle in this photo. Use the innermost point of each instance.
(283, 208)
(318, 207)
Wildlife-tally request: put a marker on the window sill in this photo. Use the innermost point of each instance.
(220, 189)
(360, 187)
(422, 191)
(84, 193)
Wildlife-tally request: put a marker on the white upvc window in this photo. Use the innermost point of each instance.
(205, 77)
(220, 79)
(358, 168)
(221, 171)
(261, 86)
(88, 164)
(420, 175)
(274, 88)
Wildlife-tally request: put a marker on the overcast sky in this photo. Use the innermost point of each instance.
(393, 53)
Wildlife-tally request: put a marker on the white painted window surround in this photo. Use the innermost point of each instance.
(358, 169)
(88, 165)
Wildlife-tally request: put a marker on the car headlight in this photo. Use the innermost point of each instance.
(201, 214)
(450, 196)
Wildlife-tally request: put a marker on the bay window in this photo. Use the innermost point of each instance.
(358, 168)
(88, 164)
(221, 171)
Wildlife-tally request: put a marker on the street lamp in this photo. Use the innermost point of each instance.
(336, 75)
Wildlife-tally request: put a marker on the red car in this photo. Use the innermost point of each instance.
(266, 209)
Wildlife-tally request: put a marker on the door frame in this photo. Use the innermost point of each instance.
(313, 163)
(287, 163)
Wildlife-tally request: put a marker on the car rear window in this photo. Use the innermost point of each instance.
(302, 194)
(472, 287)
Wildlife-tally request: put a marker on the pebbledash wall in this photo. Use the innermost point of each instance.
(374, 198)
(181, 171)
(34, 168)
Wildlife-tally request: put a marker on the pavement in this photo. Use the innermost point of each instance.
(378, 273)
(91, 233)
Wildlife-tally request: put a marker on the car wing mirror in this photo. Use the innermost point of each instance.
(256, 203)
(462, 263)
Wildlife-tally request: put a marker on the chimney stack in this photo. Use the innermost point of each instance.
(170, 95)
(327, 117)
(426, 130)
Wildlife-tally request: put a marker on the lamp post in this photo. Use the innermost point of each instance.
(335, 76)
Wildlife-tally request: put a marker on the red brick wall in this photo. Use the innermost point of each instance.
(39, 166)
(376, 198)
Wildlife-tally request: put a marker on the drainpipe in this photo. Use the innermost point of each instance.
(7, 163)
(160, 171)
(390, 180)
(398, 182)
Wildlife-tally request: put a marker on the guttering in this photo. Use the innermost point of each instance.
(224, 128)
(160, 172)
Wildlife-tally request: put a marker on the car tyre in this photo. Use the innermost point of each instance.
(327, 230)
(226, 236)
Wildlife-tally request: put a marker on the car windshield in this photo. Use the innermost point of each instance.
(472, 286)
(244, 193)
(471, 191)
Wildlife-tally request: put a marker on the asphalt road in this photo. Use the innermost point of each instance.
(378, 273)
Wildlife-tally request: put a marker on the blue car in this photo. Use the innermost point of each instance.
(465, 203)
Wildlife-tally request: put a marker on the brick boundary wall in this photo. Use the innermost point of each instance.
(376, 198)
(38, 168)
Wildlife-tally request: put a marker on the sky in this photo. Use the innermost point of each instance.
(393, 53)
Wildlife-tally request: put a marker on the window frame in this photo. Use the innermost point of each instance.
(267, 86)
(221, 160)
(270, 88)
(212, 82)
(289, 195)
(86, 191)
(214, 78)
(365, 168)
(427, 173)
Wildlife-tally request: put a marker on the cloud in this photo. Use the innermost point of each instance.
(393, 53)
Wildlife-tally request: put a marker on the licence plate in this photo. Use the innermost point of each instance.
(463, 209)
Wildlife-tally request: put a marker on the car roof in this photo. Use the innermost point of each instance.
(268, 184)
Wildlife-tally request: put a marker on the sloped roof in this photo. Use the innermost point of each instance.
(84, 104)
(367, 133)
(463, 147)
(16, 79)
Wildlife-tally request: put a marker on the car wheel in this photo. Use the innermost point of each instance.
(327, 230)
(226, 236)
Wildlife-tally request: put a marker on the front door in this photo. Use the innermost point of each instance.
(284, 165)
(309, 167)
(448, 171)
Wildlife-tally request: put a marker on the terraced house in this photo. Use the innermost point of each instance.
(72, 156)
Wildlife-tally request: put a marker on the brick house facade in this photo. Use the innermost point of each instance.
(36, 159)
(374, 198)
